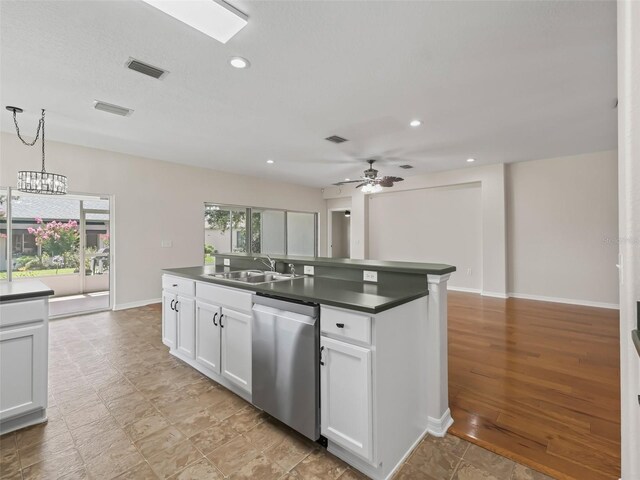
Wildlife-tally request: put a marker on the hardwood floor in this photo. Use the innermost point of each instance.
(537, 382)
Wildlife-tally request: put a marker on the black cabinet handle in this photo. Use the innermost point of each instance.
(221, 325)
(176, 309)
(172, 304)
(214, 319)
(340, 325)
(175, 284)
(321, 362)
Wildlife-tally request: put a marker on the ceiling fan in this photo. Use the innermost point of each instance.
(370, 182)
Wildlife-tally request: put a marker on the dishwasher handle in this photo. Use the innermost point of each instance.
(293, 306)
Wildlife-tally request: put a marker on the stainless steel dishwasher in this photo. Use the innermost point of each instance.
(285, 362)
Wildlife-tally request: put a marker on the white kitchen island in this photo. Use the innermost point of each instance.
(383, 350)
(24, 337)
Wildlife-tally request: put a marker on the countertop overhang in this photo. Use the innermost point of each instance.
(22, 290)
(364, 297)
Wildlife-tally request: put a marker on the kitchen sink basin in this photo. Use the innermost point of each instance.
(254, 276)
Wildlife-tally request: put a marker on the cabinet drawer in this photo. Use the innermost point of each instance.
(22, 311)
(345, 324)
(225, 297)
(178, 285)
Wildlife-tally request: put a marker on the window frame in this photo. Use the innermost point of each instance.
(249, 225)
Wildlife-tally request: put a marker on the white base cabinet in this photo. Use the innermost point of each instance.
(236, 347)
(208, 336)
(23, 363)
(209, 327)
(346, 397)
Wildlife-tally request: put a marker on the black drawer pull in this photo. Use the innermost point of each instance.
(221, 325)
(321, 349)
(214, 319)
(172, 305)
(175, 284)
(340, 325)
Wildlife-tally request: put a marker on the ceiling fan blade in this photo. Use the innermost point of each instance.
(345, 182)
(392, 179)
(361, 185)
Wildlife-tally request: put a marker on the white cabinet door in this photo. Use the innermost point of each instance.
(23, 369)
(236, 347)
(186, 325)
(169, 319)
(208, 335)
(346, 396)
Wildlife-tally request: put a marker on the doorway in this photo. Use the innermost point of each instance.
(340, 236)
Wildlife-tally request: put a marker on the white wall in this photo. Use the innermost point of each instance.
(440, 225)
(491, 179)
(559, 215)
(562, 222)
(154, 201)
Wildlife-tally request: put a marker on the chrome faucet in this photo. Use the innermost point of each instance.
(271, 263)
(292, 269)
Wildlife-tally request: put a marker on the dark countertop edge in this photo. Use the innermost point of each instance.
(256, 288)
(400, 267)
(10, 297)
(635, 336)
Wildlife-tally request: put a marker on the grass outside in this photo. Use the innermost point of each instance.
(50, 272)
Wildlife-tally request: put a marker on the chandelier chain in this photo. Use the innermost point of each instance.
(40, 126)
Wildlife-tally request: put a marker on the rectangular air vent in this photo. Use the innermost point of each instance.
(110, 108)
(336, 139)
(145, 68)
(406, 167)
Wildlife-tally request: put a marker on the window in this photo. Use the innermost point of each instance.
(268, 231)
(276, 232)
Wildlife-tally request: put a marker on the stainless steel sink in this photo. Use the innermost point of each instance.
(254, 276)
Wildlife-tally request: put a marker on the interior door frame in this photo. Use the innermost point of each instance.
(330, 229)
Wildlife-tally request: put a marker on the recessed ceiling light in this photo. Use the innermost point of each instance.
(347, 179)
(239, 62)
(269, 161)
(214, 18)
(471, 160)
(415, 123)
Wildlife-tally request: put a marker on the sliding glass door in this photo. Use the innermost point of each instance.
(62, 241)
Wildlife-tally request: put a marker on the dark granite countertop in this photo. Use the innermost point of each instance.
(23, 289)
(381, 265)
(360, 296)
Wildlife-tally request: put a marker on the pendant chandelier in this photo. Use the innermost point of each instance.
(31, 181)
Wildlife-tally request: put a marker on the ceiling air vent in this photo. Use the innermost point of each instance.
(336, 139)
(406, 167)
(110, 108)
(145, 68)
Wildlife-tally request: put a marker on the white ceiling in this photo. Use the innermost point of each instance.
(498, 81)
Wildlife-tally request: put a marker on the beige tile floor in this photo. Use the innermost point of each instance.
(121, 407)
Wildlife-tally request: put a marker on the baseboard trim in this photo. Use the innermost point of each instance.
(568, 301)
(140, 303)
(438, 426)
(464, 289)
(494, 294)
